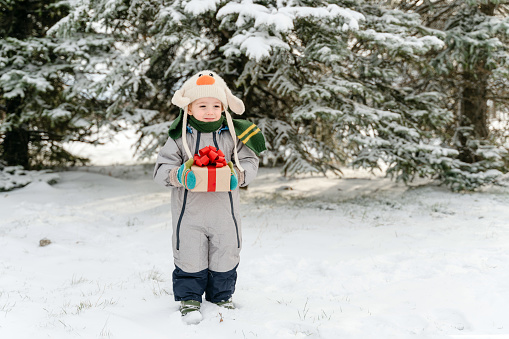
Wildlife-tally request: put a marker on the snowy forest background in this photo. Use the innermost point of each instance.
(356, 90)
(417, 88)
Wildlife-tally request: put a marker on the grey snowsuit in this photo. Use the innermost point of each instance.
(207, 234)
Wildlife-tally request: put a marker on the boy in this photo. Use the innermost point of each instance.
(206, 225)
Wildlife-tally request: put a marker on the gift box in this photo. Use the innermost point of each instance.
(211, 178)
(211, 171)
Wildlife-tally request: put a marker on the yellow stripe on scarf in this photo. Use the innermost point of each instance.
(250, 135)
(246, 131)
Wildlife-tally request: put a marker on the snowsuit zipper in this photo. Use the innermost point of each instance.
(234, 220)
(197, 148)
(180, 218)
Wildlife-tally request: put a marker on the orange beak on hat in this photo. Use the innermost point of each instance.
(205, 80)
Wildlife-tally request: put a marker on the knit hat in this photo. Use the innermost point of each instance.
(208, 84)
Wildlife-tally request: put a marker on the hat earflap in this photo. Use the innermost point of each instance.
(231, 127)
(184, 132)
(234, 103)
(180, 100)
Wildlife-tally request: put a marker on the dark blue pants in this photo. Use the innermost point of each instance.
(217, 286)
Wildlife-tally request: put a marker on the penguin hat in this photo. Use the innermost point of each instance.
(206, 84)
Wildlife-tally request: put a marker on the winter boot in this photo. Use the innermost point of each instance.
(226, 304)
(190, 311)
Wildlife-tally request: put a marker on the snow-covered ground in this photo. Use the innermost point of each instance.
(360, 257)
(117, 150)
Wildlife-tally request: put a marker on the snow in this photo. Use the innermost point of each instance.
(57, 113)
(281, 18)
(144, 114)
(12, 177)
(359, 257)
(256, 45)
(262, 15)
(269, 23)
(198, 7)
(375, 114)
(15, 82)
(118, 150)
(408, 44)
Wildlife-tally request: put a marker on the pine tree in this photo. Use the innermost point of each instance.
(348, 71)
(379, 118)
(292, 63)
(167, 43)
(472, 70)
(46, 96)
(329, 82)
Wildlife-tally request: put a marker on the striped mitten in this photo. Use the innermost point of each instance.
(234, 181)
(185, 176)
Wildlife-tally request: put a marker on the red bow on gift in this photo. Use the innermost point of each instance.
(210, 156)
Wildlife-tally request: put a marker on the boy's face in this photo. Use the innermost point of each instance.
(206, 109)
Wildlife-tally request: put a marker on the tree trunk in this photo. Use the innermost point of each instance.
(15, 144)
(473, 119)
(15, 148)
